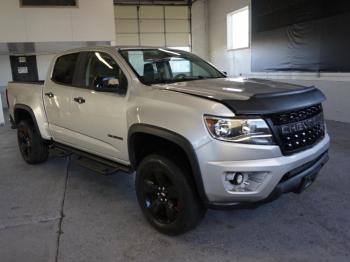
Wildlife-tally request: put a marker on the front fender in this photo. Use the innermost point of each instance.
(176, 139)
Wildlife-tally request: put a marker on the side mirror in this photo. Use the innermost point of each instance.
(225, 73)
(109, 84)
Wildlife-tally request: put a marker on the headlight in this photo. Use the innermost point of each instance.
(247, 131)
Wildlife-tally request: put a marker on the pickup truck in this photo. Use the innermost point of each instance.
(195, 138)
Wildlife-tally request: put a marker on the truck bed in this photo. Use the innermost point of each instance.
(28, 95)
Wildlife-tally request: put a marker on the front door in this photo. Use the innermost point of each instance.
(99, 108)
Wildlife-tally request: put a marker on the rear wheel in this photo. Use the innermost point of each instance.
(33, 148)
(166, 196)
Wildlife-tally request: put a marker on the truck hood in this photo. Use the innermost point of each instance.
(250, 96)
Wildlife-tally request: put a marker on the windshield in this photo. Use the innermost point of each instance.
(157, 66)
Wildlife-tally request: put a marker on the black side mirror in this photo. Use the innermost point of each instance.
(225, 73)
(109, 84)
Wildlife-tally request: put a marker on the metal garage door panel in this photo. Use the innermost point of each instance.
(151, 26)
(126, 26)
(125, 11)
(177, 39)
(152, 39)
(152, 12)
(127, 39)
(176, 12)
(177, 26)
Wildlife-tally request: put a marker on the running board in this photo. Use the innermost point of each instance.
(95, 163)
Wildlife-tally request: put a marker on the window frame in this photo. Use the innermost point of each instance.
(229, 27)
(75, 73)
(21, 5)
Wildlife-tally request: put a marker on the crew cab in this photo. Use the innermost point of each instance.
(196, 138)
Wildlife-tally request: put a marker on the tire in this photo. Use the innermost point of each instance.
(167, 198)
(33, 148)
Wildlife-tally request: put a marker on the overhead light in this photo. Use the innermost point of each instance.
(99, 57)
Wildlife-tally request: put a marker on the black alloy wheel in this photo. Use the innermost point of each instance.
(167, 196)
(161, 197)
(24, 142)
(33, 148)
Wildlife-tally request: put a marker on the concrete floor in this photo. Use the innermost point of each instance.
(59, 211)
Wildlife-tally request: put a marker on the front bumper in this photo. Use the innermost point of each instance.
(280, 174)
(302, 178)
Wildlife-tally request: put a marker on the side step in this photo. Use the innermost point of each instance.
(92, 162)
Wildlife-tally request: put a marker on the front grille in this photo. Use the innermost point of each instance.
(298, 130)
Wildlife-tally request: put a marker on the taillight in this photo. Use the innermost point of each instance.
(7, 99)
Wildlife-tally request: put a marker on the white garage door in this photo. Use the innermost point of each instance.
(167, 26)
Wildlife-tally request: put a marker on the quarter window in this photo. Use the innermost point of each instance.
(64, 69)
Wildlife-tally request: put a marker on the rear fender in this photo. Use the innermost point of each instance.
(39, 120)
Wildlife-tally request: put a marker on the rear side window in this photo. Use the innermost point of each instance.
(63, 71)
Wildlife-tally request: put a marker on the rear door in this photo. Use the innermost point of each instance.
(99, 116)
(58, 93)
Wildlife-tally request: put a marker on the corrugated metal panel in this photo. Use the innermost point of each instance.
(125, 11)
(151, 26)
(126, 26)
(152, 39)
(151, 12)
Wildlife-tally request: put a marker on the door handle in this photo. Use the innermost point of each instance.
(79, 100)
(50, 94)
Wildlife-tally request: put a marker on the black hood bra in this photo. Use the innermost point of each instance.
(251, 96)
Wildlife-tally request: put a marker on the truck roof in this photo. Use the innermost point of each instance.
(125, 47)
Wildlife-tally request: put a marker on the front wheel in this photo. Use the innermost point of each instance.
(33, 148)
(166, 196)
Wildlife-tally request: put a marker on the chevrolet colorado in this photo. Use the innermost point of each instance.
(196, 138)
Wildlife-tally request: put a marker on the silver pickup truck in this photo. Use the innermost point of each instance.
(196, 138)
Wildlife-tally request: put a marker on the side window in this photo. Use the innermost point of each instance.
(63, 71)
(103, 72)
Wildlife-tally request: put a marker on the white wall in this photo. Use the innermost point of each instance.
(5, 70)
(200, 36)
(91, 21)
(5, 76)
(2, 119)
(43, 63)
(50, 27)
(336, 86)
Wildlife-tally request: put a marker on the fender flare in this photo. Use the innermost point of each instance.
(178, 140)
(31, 113)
